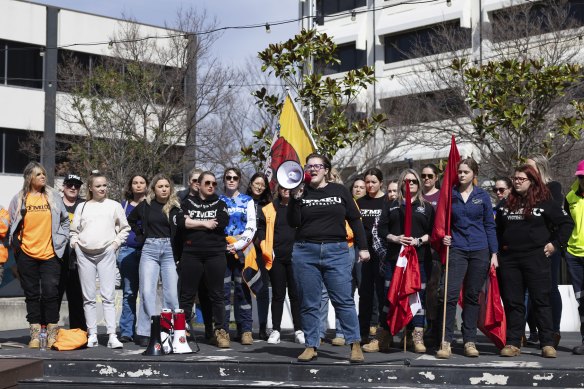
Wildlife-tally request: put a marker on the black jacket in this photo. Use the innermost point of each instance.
(141, 230)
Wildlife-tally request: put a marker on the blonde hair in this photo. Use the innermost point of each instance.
(29, 173)
(334, 176)
(94, 174)
(172, 199)
(543, 167)
(402, 176)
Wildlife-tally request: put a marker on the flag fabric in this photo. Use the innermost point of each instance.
(444, 207)
(492, 321)
(403, 294)
(292, 141)
(251, 273)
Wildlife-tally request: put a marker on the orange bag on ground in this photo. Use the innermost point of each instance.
(70, 339)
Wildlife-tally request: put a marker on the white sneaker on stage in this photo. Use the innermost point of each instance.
(113, 342)
(274, 337)
(92, 340)
(299, 337)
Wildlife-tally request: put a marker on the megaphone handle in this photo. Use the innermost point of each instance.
(298, 191)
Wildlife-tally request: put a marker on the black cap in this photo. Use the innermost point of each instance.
(72, 178)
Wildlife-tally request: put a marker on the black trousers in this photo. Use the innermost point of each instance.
(208, 268)
(69, 282)
(40, 281)
(530, 271)
(371, 295)
(282, 276)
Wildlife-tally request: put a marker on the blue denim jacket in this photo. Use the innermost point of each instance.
(472, 223)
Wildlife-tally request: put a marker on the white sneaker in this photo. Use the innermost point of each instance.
(274, 337)
(113, 342)
(92, 340)
(299, 337)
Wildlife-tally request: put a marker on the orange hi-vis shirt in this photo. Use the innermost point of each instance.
(37, 238)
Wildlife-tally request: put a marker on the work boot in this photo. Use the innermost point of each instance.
(338, 341)
(385, 340)
(372, 331)
(221, 338)
(548, 352)
(418, 338)
(510, 351)
(246, 338)
(35, 331)
(556, 336)
(309, 354)
(470, 350)
(372, 346)
(52, 331)
(356, 353)
(445, 351)
(578, 350)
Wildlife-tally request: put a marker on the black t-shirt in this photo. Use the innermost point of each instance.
(370, 210)
(71, 208)
(204, 240)
(283, 234)
(158, 225)
(320, 215)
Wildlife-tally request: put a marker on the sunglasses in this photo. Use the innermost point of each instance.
(413, 182)
(426, 176)
(231, 178)
(72, 185)
(210, 183)
(499, 190)
(520, 180)
(194, 180)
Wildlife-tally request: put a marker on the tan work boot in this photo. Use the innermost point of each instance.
(445, 352)
(418, 338)
(548, 352)
(338, 341)
(309, 354)
(372, 346)
(356, 353)
(470, 350)
(221, 338)
(510, 351)
(52, 331)
(372, 331)
(35, 332)
(246, 338)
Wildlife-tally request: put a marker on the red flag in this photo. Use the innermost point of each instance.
(444, 207)
(492, 321)
(403, 296)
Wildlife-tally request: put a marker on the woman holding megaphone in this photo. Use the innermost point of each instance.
(318, 210)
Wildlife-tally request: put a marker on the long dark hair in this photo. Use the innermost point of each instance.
(536, 193)
(128, 194)
(266, 195)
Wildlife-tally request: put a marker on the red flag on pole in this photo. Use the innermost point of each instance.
(403, 296)
(492, 321)
(444, 207)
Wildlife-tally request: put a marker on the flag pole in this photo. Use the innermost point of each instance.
(445, 295)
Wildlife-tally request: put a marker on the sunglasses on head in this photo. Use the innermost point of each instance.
(231, 178)
(499, 190)
(424, 176)
(73, 185)
(210, 183)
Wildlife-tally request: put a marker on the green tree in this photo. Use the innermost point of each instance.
(520, 107)
(328, 102)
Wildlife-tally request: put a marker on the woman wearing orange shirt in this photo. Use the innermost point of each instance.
(39, 231)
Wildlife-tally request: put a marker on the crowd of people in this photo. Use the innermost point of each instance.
(316, 242)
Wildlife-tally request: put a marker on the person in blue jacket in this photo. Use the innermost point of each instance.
(473, 248)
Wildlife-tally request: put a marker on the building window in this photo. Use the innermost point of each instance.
(431, 40)
(350, 58)
(18, 149)
(329, 7)
(22, 64)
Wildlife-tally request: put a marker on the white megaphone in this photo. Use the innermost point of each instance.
(180, 344)
(290, 175)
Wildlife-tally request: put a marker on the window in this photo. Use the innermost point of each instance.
(22, 64)
(423, 107)
(329, 7)
(430, 40)
(18, 149)
(350, 58)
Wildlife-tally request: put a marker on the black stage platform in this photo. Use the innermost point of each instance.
(266, 366)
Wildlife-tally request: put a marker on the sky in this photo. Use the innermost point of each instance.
(234, 47)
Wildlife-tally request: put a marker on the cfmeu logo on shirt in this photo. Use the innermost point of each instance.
(322, 202)
(37, 208)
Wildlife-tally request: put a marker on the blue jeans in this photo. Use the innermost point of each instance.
(128, 264)
(156, 260)
(576, 269)
(330, 264)
(241, 297)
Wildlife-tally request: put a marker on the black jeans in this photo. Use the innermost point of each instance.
(210, 269)
(70, 283)
(518, 271)
(371, 295)
(40, 281)
(281, 276)
(470, 268)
